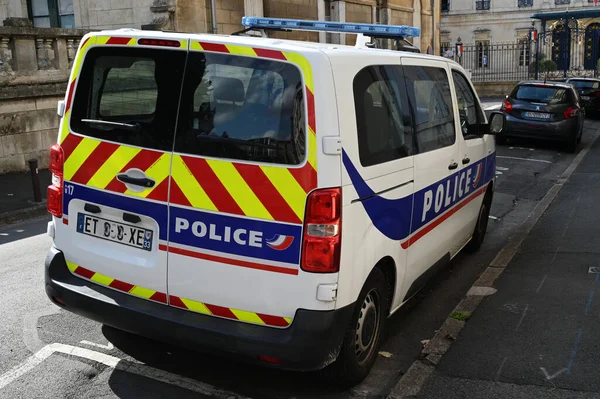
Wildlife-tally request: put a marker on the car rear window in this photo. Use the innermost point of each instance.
(129, 96)
(541, 94)
(242, 108)
(584, 84)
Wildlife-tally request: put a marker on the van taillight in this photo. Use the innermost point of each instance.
(321, 245)
(55, 190)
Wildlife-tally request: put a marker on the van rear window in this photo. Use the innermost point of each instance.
(242, 108)
(129, 96)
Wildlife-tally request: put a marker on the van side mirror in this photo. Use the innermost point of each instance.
(496, 123)
(60, 109)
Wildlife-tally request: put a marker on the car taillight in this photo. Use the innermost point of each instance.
(506, 107)
(55, 190)
(321, 244)
(597, 94)
(571, 113)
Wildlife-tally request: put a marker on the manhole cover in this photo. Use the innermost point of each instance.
(594, 269)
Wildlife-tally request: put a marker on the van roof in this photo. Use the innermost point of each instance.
(274, 43)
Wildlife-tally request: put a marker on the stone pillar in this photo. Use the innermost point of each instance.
(385, 17)
(254, 8)
(416, 21)
(338, 14)
(61, 60)
(25, 58)
(321, 7)
(15, 9)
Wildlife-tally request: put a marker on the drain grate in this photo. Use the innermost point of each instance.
(594, 269)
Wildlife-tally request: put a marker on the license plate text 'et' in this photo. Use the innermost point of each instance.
(113, 231)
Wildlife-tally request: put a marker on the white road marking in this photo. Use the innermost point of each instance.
(524, 159)
(107, 347)
(522, 317)
(493, 217)
(30, 327)
(501, 168)
(542, 283)
(549, 377)
(114, 362)
(521, 148)
(481, 291)
(499, 173)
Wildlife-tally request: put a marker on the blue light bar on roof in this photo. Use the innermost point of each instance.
(388, 31)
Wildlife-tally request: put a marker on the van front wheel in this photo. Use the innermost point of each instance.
(363, 337)
(481, 225)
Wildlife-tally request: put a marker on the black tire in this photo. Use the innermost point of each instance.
(580, 135)
(356, 358)
(481, 225)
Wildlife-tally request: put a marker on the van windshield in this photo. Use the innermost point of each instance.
(243, 108)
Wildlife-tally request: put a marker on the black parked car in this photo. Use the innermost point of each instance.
(589, 92)
(549, 111)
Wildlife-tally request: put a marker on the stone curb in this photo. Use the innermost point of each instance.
(20, 215)
(417, 375)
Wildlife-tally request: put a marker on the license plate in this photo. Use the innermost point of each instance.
(585, 97)
(537, 115)
(113, 231)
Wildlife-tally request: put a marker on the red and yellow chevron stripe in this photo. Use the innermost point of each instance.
(118, 285)
(257, 191)
(194, 306)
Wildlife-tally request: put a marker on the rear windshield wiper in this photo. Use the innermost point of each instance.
(106, 125)
(250, 143)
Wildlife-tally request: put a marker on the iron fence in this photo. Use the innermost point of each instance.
(516, 61)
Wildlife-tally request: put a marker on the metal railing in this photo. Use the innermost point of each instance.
(515, 61)
(483, 4)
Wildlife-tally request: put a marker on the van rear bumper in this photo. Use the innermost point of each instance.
(312, 341)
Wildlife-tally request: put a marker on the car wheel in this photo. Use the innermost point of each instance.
(481, 225)
(362, 339)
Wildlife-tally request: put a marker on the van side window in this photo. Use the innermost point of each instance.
(471, 115)
(242, 108)
(383, 120)
(429, 92)
(129, 96)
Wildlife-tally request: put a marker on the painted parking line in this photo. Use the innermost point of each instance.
(114, 362)
(524, 159)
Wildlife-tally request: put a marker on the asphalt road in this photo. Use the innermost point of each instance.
(47, 352)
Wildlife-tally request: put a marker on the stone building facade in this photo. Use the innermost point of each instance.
(38, 40)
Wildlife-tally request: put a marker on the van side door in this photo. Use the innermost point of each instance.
(437, 165)
(474, 153)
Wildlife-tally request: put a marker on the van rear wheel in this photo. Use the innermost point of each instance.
(362, 340)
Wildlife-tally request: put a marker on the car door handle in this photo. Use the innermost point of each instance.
(453, 166)
(466, 161)
(136, 181)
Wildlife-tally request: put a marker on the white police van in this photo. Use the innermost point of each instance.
(267, 199)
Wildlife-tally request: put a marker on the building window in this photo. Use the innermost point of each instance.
(483, 53)
(561, 2)
(525, 3)
(445, 5)
(482, 4)
(51, 13)
(524, 52)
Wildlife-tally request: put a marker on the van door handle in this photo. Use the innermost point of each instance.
(136, 181)
(453, 166)
(466, 161)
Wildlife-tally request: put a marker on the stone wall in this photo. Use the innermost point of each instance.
(112, 14)
(294, 9)
(34, 69)
(358, 13)
(494, 89)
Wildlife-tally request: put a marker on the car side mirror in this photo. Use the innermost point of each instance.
(496, 123)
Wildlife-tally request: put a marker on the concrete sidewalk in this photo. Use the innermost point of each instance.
(17, 199)
(537, 336)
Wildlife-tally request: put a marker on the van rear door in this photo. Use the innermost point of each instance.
(117, 138)
(244, 163)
